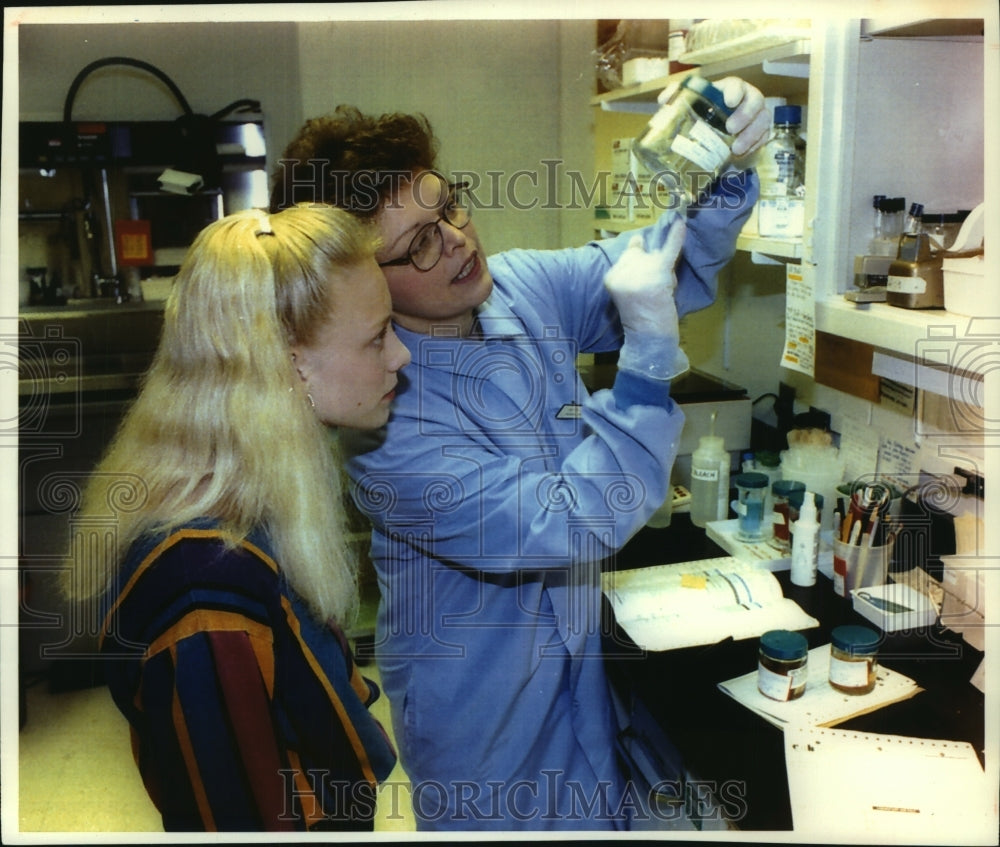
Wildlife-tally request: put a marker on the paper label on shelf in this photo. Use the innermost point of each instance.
(906, 284)
(800, 322)
(780, 217)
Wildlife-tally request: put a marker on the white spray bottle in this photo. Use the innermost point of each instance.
(805, 543)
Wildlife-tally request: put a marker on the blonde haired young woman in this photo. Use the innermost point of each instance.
(226, 581)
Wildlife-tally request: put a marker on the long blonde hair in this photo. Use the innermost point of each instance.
(222, 427)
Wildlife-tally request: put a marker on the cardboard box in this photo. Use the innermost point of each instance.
(622, 182)
(963, 609)
(893, 607)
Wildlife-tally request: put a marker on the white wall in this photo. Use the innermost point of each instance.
(502, 96)
(930, 96)
(740, 337)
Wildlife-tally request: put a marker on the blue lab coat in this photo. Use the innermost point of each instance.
(495, 491)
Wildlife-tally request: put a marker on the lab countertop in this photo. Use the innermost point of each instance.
(722, 741)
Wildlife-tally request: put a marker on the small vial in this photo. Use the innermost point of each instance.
(914, 223)
(853, 659)
(781, 492)
(782, 664)
(887, 231)
(752, 490)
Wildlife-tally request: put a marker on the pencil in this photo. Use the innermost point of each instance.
(855, 533)
(872, 528)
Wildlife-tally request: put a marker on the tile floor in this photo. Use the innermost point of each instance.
(77, 772)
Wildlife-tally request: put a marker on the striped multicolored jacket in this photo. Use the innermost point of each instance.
(245, 712)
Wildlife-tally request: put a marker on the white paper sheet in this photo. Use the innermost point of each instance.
(821, 704)
(886, 789)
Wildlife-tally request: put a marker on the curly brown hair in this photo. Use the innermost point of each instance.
(352, 160)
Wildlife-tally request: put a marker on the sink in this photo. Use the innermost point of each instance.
(66, 348)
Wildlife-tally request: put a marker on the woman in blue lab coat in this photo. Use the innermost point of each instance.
(499, 485)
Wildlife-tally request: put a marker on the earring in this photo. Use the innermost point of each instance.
(312, 402)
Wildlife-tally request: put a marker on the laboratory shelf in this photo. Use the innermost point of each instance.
(782, 248)
(917, 333)
(790, 60)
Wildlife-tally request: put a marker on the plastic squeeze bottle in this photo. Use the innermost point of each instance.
(709, 480)
(805, 543)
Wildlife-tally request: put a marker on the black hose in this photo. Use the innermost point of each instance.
(121, 60)
(245, 105)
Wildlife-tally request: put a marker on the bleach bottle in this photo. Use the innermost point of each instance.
(709, 479)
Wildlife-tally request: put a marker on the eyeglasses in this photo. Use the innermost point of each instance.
(427, 245)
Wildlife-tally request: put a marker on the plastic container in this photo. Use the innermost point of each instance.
(685, 145)
(853, 659)
(650, 65)
(859, 566)
(965, 289)
(782, 664)
(805, 546)
(820, 468)
(751, 492)
(709, 481)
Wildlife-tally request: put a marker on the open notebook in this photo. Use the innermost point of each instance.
(668, 607)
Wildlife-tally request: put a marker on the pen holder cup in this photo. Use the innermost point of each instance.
(859, 566)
